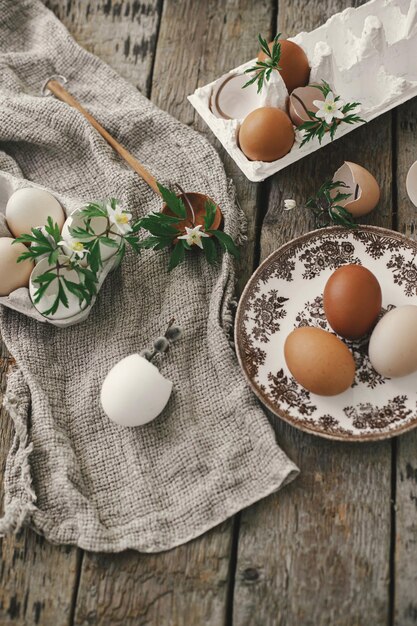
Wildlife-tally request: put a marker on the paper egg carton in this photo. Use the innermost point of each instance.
(20, 300)
(367, 55)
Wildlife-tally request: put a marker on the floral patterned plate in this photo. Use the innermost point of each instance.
(286, 292)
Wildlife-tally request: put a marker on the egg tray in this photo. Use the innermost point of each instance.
(367, 55)
(20, 300)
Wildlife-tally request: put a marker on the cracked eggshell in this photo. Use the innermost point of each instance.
(229, 100)
(29, 208)
(134, 392)
(301, 102)
(411, 183)
(362, 186)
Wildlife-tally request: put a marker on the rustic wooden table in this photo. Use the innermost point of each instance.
(339, 545)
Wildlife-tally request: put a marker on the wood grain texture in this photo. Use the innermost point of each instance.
(405, 600)
(30, 590)
(318, 553)
(121, 32)
(188, 585)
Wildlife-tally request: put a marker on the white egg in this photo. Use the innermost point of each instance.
(13, 274)
(51, 292)
(98, 225)
(393, 343)
(30, 208)
(134, 392)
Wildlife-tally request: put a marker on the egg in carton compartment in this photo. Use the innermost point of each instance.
(20, 300)
(366, 54)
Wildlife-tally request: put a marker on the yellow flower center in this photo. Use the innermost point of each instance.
(77, 246)
(122, 218)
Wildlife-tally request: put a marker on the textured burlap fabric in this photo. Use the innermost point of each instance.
(72, 474)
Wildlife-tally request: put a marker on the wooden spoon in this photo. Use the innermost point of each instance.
(194, 215)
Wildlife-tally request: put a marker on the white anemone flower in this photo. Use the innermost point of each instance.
(289, 204)
(76, 246)
(120, 219)
(329, 109)
(193, 236)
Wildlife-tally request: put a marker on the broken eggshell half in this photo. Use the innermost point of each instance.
(98, 225)
(134, 392)
(361, 185)
(301, 102)
(411, 183)
(230, 100)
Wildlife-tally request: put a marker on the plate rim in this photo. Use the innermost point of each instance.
(282, 414)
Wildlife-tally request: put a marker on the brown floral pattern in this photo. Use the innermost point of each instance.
(369, 416)
(373, 410)
(267, 310)
(329, 254)
(285, 389)
(405, 273)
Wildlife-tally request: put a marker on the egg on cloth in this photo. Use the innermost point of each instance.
(266, 134)
(352, 301)
(29, 208)
(393, 343)
(319, 361)
(134, 392)
(13, 275)
(295, 69)
(361, 185)
(301, 103)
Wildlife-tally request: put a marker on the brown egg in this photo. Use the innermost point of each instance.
(362, 186)
(319, 361)
(352, 301)
(13, 274)
(266, 134)
(301, 102)
(295, 70)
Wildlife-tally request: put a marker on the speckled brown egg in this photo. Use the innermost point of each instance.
(352, 301)
(295, 70)
(319, 361)
(266, 134)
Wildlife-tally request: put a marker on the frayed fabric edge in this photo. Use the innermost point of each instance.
(230, 300)
(18, 509)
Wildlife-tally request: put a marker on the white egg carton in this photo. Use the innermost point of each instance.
(367, 55)
(20, 300)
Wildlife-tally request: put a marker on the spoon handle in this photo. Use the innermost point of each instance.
(62, 94)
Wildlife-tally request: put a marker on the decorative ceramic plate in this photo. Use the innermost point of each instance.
(286, 292)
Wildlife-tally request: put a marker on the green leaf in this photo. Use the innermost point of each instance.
(47, 277)
(94, 256)
(211, 210)
(226, 242)
(209, 250)
(173, 202)
(107, 241)
(176, 257)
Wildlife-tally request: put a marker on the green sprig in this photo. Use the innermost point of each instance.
(164, 231)
(326, 206)
(318, 127)
(263, 69)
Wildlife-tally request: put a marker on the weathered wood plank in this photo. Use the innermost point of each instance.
(38, 581)
(188, 585)
(405, 603)
(122, 33)
(30, 590)
(318, 553)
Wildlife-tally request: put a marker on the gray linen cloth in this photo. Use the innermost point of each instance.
(71, 474)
